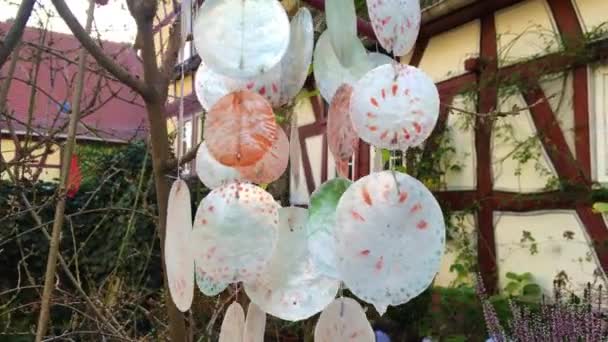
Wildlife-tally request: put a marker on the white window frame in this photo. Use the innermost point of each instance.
(599, 119)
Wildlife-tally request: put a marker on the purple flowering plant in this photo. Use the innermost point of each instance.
(563, 319)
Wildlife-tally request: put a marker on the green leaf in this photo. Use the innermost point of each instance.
(600, 207)
(306, 94)
(458, 268)
(512, 288)
(511, 275)
(526, 276)
(386, 156)
(532, 290)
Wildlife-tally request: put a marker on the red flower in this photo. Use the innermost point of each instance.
(74, 178)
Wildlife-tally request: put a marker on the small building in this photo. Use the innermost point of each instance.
(40, 95)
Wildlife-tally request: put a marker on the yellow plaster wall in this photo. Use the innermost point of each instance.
(558, 89)
(508, 136)
(592, 13)
(462, 138)
(555, 252)
(446, 53)
(175, 88)
(525, 30)
(7, 148)
(464, 230)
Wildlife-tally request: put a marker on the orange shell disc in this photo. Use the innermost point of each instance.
(342, 141)
(240, 128)
(272, 165)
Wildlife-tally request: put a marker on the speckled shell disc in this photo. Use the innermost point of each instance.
(342, 139)
(272, 165)
(329, 72)
(291, 288)
(211, 86)
(240, 128)
(322, 223)
(296, 62)
(343, 320)
(179, 261)
(233, 324)
(211, 172)
(235, 233)
(396, 23)
(394, 106)
(390, 238)
(206, 284)
(255, 324)
(241, 38)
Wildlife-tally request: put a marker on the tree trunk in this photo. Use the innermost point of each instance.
(160, 156)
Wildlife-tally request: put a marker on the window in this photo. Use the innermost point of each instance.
(187, 50)
(187, 143)
(600, 122)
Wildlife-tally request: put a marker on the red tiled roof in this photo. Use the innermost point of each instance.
(111, 110)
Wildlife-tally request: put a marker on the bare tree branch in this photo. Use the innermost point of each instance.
(172, 52)
(186, 158)
(51, 266)
(119, 72)
(16, 31)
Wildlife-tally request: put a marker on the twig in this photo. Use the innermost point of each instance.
(172, 163)
(111, 66)
(68, 272)
(492, 114)
(16, 31)
(51, 265)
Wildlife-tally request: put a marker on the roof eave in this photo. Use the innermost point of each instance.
(442, 8)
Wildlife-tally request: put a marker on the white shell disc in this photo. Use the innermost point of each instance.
(396, 23)
(377, 59)
(235, 233)
(233, 324)
(343, 320)
(321, 225)
(179, 261)
(394, 106)
(255, 324)
(291, 288)
(241, 38)
(211, 172)
(390, 238)
(329, 72)
(341, 19)
(211, 86)
(295, 63)
(207, 285)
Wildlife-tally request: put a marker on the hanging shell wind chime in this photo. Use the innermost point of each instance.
(381, 236)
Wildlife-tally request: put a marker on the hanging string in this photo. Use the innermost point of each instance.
(391, 167)
(341, 296)
(180, 119)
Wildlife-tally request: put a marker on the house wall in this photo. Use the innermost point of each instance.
(542, 241)
(50, 164)
(560, 240)
(545, 242)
